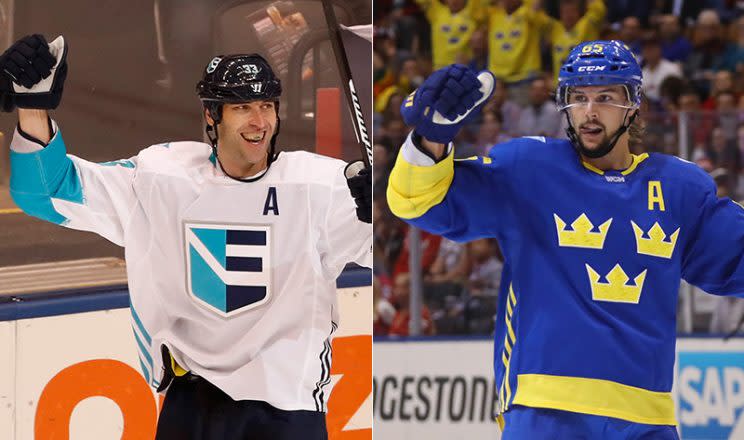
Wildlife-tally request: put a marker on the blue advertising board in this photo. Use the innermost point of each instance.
(710, 389)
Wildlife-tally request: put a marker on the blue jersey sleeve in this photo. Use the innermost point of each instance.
(714, 254)
(459, 199)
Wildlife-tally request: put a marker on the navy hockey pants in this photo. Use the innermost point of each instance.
(194, 409)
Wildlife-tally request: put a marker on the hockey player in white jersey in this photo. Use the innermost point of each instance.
(232, 248)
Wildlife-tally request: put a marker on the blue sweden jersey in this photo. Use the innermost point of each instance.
(593, 262)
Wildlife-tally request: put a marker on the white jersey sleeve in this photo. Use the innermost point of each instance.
(49, 184)
(346, 237)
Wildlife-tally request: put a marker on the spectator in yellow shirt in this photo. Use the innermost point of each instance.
(452, 24)
(572, 28)
(515, 28)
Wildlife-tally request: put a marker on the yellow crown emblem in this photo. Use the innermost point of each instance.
(655, 244)
(616, 288)
(581, 236)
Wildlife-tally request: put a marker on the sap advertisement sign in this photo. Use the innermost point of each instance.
(442, 388)
(710, 389)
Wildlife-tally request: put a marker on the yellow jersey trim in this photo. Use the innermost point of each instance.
(177, 369)
(636, 160)
(595, 396)
(483, 159)
(592, 168)
(510, 340)
(501, 422)
(413, 190)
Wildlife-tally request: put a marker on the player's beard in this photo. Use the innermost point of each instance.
(602, 148)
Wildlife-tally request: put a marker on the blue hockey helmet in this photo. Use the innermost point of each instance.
(598, 63)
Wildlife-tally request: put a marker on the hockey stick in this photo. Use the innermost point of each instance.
(352, 99)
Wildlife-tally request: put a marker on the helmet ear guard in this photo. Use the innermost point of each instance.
(214, 110)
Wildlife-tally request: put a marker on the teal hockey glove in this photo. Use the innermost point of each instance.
(439, 107)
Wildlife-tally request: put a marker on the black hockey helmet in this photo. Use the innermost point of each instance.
(235, 79)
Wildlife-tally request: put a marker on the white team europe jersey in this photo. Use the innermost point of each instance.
(236, 278)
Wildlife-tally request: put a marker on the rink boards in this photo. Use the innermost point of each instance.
(68, 362)
(69, 367)
(442, 388)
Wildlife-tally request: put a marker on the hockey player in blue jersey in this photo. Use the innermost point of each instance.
(595, 240)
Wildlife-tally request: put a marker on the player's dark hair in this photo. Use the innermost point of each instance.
(636, 131)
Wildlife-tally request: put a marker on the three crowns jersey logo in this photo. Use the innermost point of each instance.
(581, 235)
(616, 289)
(655, 245)
(617, 285)
(228, 267)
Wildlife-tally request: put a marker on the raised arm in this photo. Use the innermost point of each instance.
(45, 182)
(426, 187)
(32, 78)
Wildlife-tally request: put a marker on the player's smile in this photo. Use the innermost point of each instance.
(254, 139)
(247, 129)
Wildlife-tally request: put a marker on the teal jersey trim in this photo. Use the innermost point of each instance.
(122, 163)
(140, 326)
(143, 349)
(40, 176)
(145, 372)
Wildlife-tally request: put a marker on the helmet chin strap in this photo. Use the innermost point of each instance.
(271, 155)
(604, 148)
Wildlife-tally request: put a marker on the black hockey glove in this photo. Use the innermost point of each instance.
(359, 179)
(37, 71)
(7, 101)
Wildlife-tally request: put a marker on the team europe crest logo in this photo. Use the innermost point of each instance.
(228, 266)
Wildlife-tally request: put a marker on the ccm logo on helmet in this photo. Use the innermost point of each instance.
(591, 68)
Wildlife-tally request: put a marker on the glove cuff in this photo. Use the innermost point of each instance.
(416, 140)
(33, 139)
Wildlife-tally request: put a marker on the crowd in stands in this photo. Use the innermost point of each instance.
(692, 53)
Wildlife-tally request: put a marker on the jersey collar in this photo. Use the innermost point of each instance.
(636, 160)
